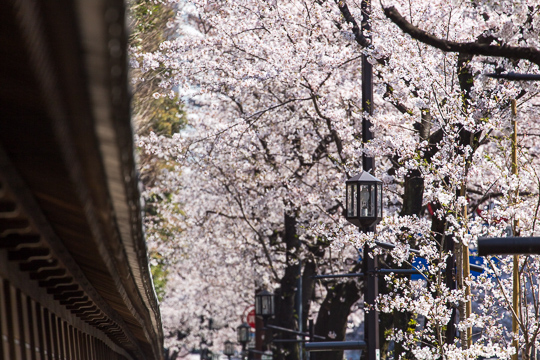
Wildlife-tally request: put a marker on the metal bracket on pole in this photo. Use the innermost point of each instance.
(515, 76)
(334, 276)
(279, 328)
(389, 246)
(335, 345)
(289, 340)
(509, 246)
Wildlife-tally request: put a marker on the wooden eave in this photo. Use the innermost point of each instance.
(67, 170)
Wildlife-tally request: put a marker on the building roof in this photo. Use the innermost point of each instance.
(67, 163)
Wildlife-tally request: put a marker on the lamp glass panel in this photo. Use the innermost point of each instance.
(258, 305)
(354, 201)
(366, 201)
(266, 305)
(379, 200)
(351, 200)
(372, 207)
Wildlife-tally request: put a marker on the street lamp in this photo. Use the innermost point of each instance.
(242, 335)
(364, 200)
(363, 208)
(264, 305)
(229, 349)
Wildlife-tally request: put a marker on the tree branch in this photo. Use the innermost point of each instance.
(473, 48)
(358, 36)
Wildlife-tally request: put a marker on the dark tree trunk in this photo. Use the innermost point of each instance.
(332, 317)
(308, 287)
(413, 193)
(414, 182)
(286, 314)
(285, 295)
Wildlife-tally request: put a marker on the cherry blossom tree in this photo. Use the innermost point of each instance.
(505, 33)
(273, 94)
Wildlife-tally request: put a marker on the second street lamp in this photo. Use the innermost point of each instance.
(264, 305)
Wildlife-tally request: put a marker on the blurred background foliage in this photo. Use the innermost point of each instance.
(151, 23)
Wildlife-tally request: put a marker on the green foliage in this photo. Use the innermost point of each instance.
(413, 323)
(164, 116)
(147, 15)
(159, 275)
(148, 20)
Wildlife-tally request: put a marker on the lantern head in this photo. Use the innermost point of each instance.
(242, 333)
(363, 200)
(264, 304)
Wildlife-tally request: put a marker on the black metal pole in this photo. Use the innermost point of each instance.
(311, 330)
(298, 298)
(368, 163)
(371, 291)
(260, 325)
(450, 279)
(371, 286)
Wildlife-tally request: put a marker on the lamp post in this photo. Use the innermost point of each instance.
(242, 336)
(228, 349)
(364, 209)
(264, 305)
